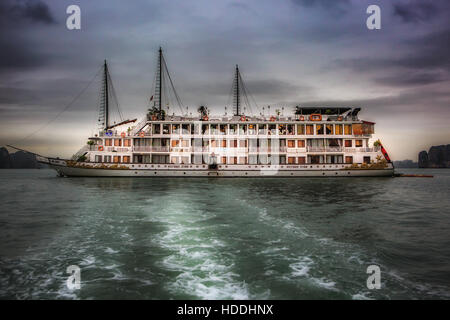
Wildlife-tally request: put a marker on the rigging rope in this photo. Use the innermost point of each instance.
(62, 111)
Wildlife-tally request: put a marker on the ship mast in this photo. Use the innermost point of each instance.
(237, 94)
(160, 79)
(104, 102)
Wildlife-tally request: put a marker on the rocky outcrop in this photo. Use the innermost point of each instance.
(5, 159)
(405, 164)
(437, 157)
(18, 160)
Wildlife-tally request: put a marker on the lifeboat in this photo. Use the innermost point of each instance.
(315, 117)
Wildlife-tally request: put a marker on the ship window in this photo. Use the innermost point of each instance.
(176, 129)
(184, 160)
(175, 143)
(319, 128)
(338, 128)
(108, 142)
(329, 129)
(263, 159)
(291, 160)
(242, 160)
(156, 128)
(223, 129)
(166, 129)
(98, 158)
(242, 143)
(272, 129)
(213, 143)
(358, 143)
(174, 160)
(252, 129)
(348, 143)
(282, 159)
(309, 129)
(126, 159)
(366, 160)
(291, 143)
(348, 159)
(185, 143)
(290, 129)
(116, 159)
(242, 129)
(282, 129)
(301, 160)
(233, 128)
(357, 129)
(224, 160)
(262, 129)
(233, 160)
(224, 143)
(185, 128)
(214, 129)
(300, 129)
(127, 142)
(301, 143)
(117, 142)
(347, 129)
(233, 143)
(107, 159)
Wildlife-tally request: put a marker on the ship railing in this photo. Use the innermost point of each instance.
(151, 149)
(81, 152)
(138, 127)
(362, 149)
(324, 149)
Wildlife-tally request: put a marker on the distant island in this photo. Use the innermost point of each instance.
(436, 157)
(17, 160)
(406, 164)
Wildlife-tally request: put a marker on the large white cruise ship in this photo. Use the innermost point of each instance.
(331, 142)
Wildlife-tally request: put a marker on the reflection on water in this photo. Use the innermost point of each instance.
(215, 238)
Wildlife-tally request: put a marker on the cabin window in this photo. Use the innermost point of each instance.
(107, 159)
(290, 129)
(185, 128)
(242, 143)
(175, 143)
(358, 143)
(301, 143)
(223, 129)
(310, 129)
(301, 160)
(291, 160)
(117, 142)
(126, 159)
(348, 159)
(224, 160)
(242, 160)
(282, 129)
(184, 160)
(300, 129)
(127, 142)
(252, 129)
(262, 129)
(204, 129)
(166, 129)
(252, 159)
(185, 143)
(348, 143)
(272, 129)
(319, 128)
(282, 159)
(176, 129)
(357, 129)
(347, 129)
(233, 160)
(174, 160)
(214, 129)
(338, 129)
(156, 128)
(233, 128)
(116, 159)
(224, 143)
(263, 159)
(291, 143)
(242, 129)
(329, 129)
(108, 142)
(366, 160)
(98, 158)
(233, 143)
(213, 143)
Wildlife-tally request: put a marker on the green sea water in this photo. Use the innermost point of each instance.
(212, 238)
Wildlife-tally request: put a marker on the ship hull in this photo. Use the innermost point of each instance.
(93, 172)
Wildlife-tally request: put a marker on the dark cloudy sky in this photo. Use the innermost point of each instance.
(291, 52)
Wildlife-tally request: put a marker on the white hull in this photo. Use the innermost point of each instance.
(93, 172)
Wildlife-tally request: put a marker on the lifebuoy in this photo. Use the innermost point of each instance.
(205, 118)
(123, 134)
(302, 118)
(315, 117)
(141, 134)
(243, 118)
(100, 148)
(340, 118)
(272, 118)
